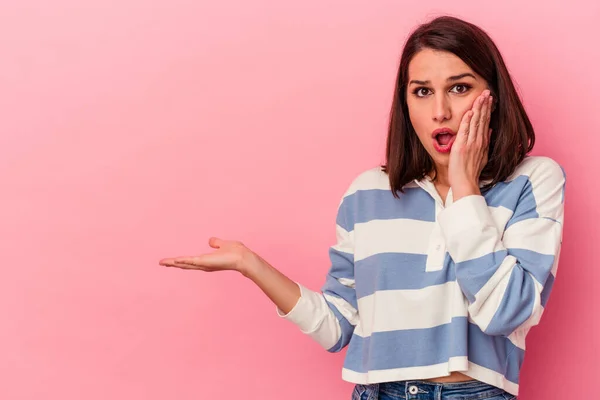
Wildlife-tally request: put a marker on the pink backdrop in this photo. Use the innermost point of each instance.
(134, 130)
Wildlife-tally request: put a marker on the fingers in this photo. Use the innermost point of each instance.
(189, 266)
(483, 121)
(463, 129)
(488, 132)
(479, 128)
(215, 243)
(228, 256)
(192, 260)
(170, 262)
(486, 147)
(175, 262)
(476, 120)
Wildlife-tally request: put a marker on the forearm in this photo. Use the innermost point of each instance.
(282, 291)
(306, 308)
(503, 274)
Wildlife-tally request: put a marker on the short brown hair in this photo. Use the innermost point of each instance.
(512, 136)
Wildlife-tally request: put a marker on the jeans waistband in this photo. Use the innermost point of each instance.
(447, 389)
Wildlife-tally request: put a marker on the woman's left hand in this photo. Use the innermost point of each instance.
(469, 153)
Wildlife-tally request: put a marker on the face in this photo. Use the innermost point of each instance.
(441, 89)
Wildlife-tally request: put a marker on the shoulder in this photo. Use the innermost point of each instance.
(370, 179)
(543, 185)
(539, 169)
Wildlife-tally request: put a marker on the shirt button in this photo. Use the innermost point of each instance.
(413, 390)
(438, 247)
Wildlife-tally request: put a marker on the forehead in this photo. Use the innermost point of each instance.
(435, 65)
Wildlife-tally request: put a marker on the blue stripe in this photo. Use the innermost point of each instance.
(341, 264)
(342, 217)
(421, 347)
(497, 353)
(526, 208)
(333, 287)
(506, 194)
(407, 348)
(547, 290)
(473, 274)
(373, 204)
(393, 271)
(515, 195)
(539, 265)
(516, 305)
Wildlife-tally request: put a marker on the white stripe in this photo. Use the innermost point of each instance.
(518, 338)
(344, 240)
(392, 236)
(501, 216)
(555, 265)
(398, 374)
(351, 283)
(541, 235)
(372, 178)
(486, 239)
(390, 310)
(344, 308)
(314, 318)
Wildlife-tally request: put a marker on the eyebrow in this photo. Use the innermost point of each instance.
(450, 79)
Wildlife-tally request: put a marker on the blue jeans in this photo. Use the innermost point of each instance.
(425, 390)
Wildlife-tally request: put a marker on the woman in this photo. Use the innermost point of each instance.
(445, 255)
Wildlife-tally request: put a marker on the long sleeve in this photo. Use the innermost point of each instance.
(507, 276)
(329, 316)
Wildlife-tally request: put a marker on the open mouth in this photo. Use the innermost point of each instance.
(443, 139)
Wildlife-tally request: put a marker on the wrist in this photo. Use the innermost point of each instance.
(464, 190)
(249, 264)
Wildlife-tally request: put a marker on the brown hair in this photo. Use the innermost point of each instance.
(512, 133)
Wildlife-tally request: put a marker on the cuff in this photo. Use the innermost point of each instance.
(469, 229)
(306, 311)
(467, 213)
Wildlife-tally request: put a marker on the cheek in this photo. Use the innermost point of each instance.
(463, 107)
(466, 104)
(419, 121)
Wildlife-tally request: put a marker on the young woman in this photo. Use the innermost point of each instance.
(445, 255)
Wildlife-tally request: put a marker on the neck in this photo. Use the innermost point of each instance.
(441, 177)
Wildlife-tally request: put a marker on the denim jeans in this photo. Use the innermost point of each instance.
(426, 390)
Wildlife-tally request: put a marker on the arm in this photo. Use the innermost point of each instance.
(329, 316)
(282, 291)
(507, 276)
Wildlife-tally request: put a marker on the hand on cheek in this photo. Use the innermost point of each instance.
(469, 152)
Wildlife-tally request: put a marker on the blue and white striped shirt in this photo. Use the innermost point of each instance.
(419, 287)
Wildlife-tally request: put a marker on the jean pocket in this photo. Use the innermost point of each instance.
(357, 393)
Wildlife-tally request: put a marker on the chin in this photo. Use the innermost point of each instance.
(443, 160)
(440, 160)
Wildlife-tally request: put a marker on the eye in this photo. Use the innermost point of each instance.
(465, 88)
(419, 91)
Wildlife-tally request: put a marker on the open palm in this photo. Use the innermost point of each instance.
(228, 256)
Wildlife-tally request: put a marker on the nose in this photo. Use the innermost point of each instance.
(441, 109)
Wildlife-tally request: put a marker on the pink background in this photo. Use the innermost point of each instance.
(134, 130)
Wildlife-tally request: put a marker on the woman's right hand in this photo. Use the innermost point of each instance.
(234, 256)
(230, 255)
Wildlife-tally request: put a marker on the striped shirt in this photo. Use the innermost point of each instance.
(419, 287)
